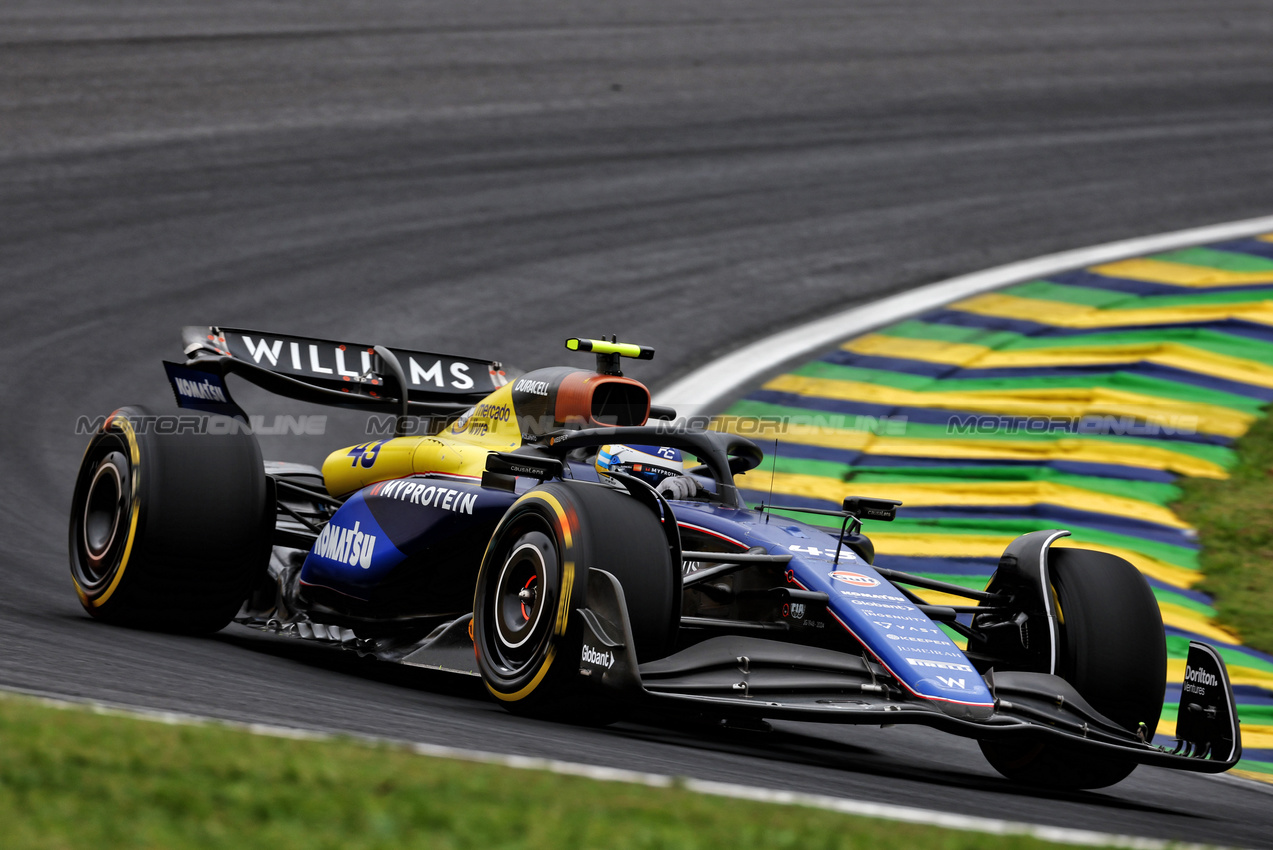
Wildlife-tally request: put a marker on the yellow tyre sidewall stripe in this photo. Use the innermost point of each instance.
(134, 452)
(563, 609)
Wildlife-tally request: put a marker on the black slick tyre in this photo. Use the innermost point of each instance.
(1113, 650)
(526, 627)
(170, 525)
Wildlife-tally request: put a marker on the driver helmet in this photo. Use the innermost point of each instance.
(651, 464)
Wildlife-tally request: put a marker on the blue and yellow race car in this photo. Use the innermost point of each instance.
(588, 555)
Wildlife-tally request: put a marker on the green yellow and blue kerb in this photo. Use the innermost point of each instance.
(1073, 402)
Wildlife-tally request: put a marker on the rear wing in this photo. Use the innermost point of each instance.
(322, 371)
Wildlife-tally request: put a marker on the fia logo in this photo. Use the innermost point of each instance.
(795, 610)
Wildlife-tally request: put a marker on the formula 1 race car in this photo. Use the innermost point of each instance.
(489, 535)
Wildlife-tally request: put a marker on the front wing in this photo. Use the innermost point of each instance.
(736, 676)
(759, 678)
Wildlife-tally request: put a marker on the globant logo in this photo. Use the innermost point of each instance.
(598, 659)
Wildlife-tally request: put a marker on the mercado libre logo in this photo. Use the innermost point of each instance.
(855, 579)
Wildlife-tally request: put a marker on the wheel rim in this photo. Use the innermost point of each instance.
(105, 507)
(518, 606)
(521, 601)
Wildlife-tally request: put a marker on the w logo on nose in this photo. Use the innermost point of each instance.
(953, 683)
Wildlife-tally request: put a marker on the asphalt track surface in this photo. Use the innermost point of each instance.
(492, 177)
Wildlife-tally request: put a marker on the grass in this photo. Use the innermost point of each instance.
(74, 778)
(1234, 519)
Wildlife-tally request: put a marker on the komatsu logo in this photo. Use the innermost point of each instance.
(597, 659)
(204, 389)
(346, 545)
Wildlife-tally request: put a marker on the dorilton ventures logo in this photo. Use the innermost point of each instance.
(1198, 676)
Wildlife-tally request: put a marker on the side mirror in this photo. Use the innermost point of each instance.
(508, 463)
(884, 510)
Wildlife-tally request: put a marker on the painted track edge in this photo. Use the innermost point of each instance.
(696, 393)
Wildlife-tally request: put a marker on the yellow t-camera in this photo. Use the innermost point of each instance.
(609, 351)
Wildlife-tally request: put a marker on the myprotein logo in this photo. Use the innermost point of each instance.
(426, 495)
(344, 545)
(855, 579)
(604, 660)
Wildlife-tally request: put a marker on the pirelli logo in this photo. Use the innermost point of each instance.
(940, 665)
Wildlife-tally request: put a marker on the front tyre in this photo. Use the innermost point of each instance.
(170, 521)
(526, 628)
(1113, 650)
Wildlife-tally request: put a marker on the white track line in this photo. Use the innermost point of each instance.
(859, 808)
(699, 392)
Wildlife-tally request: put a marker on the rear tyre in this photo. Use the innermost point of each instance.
(526, 628)
(169, 530)
(1113, 651)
